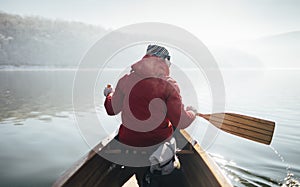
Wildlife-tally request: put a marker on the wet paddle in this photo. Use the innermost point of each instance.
(251, 128)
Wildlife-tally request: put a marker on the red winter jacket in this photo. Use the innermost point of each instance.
(150, 103)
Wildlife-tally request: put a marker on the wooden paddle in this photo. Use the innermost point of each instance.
(251, 128)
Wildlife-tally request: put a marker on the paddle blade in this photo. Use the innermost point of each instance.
(251, 128)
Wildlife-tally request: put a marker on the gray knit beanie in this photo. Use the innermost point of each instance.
(155, 50)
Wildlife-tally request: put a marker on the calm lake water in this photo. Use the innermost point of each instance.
(39, 136)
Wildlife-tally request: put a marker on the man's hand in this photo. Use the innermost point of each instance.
(107, 90)
(190, 108)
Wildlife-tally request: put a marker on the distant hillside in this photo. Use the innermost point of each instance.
(42, 42)
(233, 58)
(283, 38)
(276, 51)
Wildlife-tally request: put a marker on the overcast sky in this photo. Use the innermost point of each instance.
(213, 21)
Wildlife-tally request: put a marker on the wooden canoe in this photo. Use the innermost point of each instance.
(93, 170)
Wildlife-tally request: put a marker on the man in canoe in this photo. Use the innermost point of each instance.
(149, 101)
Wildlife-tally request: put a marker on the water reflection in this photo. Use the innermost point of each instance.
(39, 138)
(36, 94)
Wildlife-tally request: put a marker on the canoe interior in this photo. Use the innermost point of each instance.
(94, 170)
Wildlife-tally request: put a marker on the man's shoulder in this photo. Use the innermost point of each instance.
(171, 80)
(173, 84)
(122, 82)
(125, 77)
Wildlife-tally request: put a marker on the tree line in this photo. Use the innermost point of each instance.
(36, 41)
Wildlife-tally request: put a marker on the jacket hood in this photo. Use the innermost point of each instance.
(151, 66)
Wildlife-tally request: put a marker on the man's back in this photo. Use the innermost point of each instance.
(150, 103)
